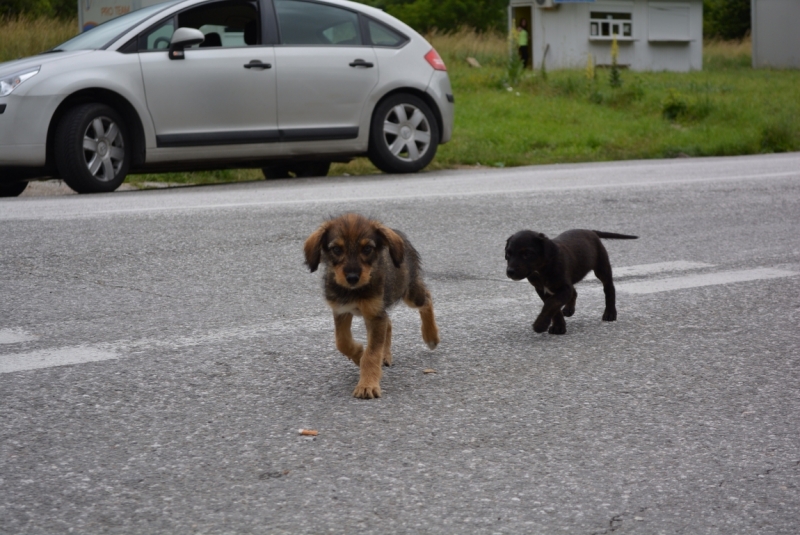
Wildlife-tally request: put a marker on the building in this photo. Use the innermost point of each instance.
(94, 12)
(662, 35)
(776, 33)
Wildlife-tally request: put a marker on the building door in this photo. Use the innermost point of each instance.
(519, 14)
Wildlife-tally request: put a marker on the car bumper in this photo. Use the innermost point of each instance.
(441, 92)
(23, 130)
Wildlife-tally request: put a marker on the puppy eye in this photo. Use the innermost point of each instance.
(367, 249)
(336, 250)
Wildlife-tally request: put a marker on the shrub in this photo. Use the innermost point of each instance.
(778, 136)
(674, 106)
(446, 15)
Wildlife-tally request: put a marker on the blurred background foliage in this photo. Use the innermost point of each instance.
(723, 19)
(726, 19)
(66, 9)
(446, 15)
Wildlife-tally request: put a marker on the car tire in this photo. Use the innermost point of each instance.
(404, 134)
(13, 189)
(91, 149)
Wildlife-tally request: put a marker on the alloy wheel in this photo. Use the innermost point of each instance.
(103, 149)
(407, 132)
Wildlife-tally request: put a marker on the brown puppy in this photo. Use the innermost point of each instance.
(554, 266)
(369, 268)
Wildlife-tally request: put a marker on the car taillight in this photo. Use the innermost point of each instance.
(435, 60)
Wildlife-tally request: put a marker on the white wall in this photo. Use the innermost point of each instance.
(776, 33)
(673, 43)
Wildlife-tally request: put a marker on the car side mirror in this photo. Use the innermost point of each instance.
(182, 38)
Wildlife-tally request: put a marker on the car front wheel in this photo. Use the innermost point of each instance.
(404, 135)
(91, 152)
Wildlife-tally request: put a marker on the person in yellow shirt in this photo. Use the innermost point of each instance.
(522, 41)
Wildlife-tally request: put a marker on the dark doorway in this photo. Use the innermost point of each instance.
(518, 14)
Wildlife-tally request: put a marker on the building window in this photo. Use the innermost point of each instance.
(604, 25)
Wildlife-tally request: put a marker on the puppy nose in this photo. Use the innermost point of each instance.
(510, 273)
(352, 278)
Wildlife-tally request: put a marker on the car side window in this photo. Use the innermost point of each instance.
(310, 23)
(381, 35)
(233, 23)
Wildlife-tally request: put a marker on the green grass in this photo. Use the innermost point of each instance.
(504, 119)
(726, 109)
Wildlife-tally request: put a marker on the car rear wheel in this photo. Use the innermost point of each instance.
(91, 152)
(12, 189)
(404, 135)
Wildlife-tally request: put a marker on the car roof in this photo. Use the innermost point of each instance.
(375, 13)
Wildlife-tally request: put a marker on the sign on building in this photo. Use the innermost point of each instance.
(94, 12)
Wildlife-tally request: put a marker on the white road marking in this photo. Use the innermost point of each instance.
(47, 358)
(15, 336)
(705, 279)
(652, 269)
(659, 267)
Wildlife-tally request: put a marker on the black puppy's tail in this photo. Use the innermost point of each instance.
(612, 236)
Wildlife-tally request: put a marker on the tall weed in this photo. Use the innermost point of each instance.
(719, 55)
(21, 37)
(779, 135)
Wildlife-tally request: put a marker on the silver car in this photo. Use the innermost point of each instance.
(288, 86)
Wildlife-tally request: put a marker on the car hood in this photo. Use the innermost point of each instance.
(10, 67)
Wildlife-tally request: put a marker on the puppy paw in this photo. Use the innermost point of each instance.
(387, 358)
(610, 314)
(430, 336)
(540, 325)
(568, 310)
(367, 391)
(557, 329)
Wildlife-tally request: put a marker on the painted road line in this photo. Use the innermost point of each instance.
(47, 358)
(659, 267)
(705, 279)
(15, 336)
(62, 356)
(653, 269)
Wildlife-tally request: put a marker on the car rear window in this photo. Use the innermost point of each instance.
(309, 23)
(382, 35)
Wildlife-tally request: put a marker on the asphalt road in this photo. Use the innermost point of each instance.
(159, 351)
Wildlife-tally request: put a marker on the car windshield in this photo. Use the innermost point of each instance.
(100, 36)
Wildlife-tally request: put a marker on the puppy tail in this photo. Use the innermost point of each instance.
(613, 236)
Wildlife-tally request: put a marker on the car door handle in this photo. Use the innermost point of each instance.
(256, 64)
(361, 63)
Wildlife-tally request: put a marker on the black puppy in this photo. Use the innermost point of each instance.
(554, 266)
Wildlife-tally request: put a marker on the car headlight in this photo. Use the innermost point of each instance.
(10, 83)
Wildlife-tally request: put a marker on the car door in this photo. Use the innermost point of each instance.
(325, 73)
(223, 92)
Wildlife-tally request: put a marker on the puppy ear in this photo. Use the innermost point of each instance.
(394, 242)
(313, 246)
